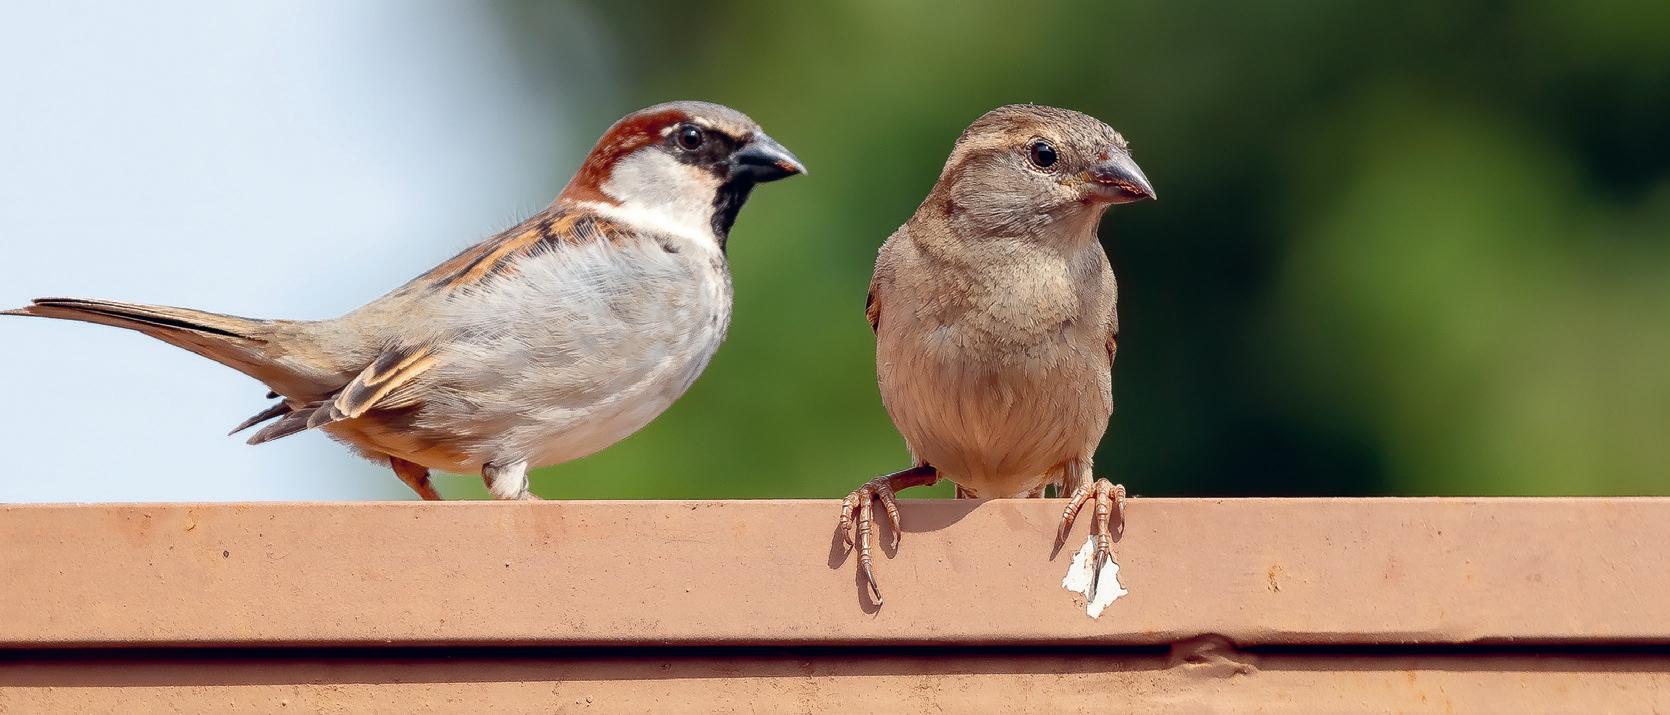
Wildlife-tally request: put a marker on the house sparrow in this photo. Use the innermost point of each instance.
(995, 320)
(542, 344)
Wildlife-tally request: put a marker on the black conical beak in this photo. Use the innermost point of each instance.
(762, 159)
(1119, 180)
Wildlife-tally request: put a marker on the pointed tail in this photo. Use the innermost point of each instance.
(235, 342)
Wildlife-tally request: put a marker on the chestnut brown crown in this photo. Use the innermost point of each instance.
(715, 138)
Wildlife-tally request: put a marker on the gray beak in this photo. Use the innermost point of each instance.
(1119, 180)
(762, 159)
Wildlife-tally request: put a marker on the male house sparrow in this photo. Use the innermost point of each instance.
(545, 343)
(995, 319)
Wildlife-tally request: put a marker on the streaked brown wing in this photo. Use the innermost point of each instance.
(555, 227)
(1113, 335)
(380, 385)
(388, 383)
(872, 310)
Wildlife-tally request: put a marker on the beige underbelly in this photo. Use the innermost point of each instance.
(1001, 432)
(433, 451)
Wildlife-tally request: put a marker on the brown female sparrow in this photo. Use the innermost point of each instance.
(545, 343)
(995, 319)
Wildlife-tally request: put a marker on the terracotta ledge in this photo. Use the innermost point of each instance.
(865, 683)
(1259, 572)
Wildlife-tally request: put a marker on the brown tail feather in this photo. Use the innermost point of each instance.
(279, 410)
(143, 318)
(262, 349)
(226, 339)
(300, 420)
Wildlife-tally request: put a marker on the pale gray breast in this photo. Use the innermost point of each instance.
(580, 347)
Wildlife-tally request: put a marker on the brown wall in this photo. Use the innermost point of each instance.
(1286, 605)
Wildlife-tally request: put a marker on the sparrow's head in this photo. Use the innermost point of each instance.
(1024, 168)
(685, 165)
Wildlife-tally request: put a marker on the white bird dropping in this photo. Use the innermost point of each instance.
(1099, 589)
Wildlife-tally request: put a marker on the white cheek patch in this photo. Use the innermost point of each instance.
(649, 182)
(1101, 589)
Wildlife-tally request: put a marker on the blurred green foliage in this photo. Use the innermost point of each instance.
(1415, 248)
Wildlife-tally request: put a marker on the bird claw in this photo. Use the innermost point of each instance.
(857, 532)
(1107, 497)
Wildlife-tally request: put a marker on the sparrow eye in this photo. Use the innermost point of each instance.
(1041, 154)
(690, 137)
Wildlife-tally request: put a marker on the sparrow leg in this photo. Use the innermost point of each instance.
(862, 501)
(415, 476)
(507, 481)
(1108, 497)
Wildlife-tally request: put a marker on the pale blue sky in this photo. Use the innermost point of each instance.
(268, 159)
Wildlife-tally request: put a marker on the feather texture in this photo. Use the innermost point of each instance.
(541, 344)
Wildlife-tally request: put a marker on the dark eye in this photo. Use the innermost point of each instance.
(1041, 154)
(690, 137)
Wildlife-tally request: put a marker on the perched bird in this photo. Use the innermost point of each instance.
(542, 344)
(995, 319)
